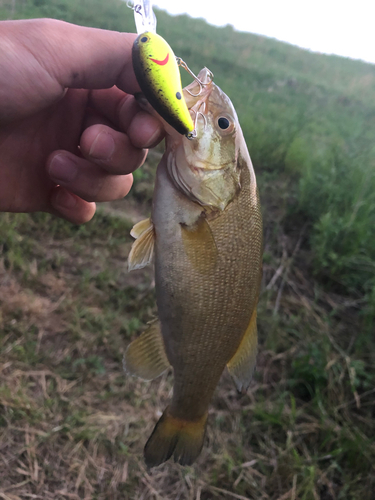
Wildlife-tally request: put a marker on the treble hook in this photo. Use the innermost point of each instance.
(193, 134)
(183, 64)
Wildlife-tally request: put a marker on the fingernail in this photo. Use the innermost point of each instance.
(62, 169)
(154, 139)
(103, 147)
(64, 199)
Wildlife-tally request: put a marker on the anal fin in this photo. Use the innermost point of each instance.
(145, 357)
(142, 249)
(242, 364)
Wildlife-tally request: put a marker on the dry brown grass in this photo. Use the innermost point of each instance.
(73, 426)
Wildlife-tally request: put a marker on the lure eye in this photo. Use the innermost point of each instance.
(145, 39)
(223, 123)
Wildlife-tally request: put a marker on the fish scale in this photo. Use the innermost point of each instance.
(224, 315)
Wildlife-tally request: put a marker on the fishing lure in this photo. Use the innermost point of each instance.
(157, 71)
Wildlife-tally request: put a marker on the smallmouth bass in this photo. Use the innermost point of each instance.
(206, 233)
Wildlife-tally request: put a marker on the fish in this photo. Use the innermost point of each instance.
(205, 233)
(158, 75)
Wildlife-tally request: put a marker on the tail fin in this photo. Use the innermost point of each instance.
(174, 436)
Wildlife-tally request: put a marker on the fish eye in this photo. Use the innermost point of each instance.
(223, 123)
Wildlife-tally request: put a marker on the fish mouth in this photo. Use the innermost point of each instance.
(197, 92)
(161, 62)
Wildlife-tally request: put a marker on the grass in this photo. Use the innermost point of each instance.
(308, 114)
(73, 426)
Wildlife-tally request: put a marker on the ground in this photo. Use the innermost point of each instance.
(73, 425)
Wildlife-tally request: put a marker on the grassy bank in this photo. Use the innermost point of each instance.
(73, 426)
(309, 115)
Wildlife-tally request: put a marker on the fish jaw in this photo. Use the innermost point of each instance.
(214, 147)
(205, 168)
(210, 188)
(195, 91)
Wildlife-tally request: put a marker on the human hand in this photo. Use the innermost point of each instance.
(71, 132)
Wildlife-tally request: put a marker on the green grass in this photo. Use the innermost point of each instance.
(306, 426)
(73, 422)
(310, 115)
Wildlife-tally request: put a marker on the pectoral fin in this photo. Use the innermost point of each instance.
(141, 227)
(142, 249)
(241, 366)
(200, 246)
(145, 356)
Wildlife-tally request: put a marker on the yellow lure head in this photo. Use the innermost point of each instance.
(159, 77)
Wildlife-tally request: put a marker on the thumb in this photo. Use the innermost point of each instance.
(44, 57)
(88, 57)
